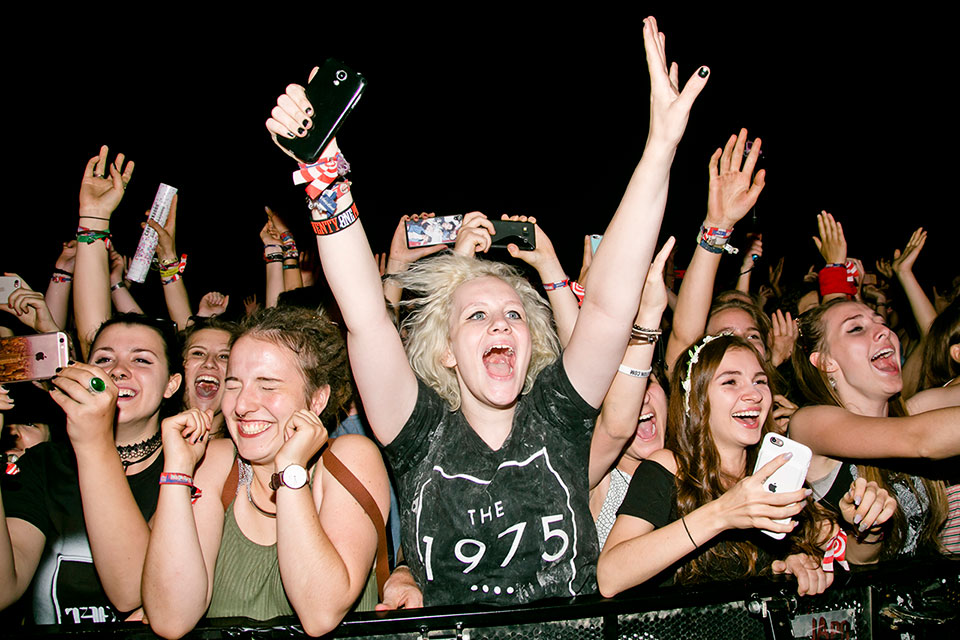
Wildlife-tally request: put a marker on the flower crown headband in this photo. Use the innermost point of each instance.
(694, 353)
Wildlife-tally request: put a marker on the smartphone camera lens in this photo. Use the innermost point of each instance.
(777, 441)
(340, 76)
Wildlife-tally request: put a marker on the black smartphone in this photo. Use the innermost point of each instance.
(522, 234)
(427, 232)
(333, 93)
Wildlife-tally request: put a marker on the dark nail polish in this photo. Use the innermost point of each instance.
(70, 363)
(309, 111)
(306, 123)
(59, 369)
(290, 134)
(704, 72)
(300, 130)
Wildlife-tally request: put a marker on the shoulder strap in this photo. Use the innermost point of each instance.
(359, 492)
(231, 483)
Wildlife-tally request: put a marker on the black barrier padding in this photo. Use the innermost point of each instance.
(919, 597)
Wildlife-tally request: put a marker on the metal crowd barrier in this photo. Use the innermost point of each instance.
(904, 599)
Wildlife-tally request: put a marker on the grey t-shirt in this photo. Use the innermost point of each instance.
(500, 527)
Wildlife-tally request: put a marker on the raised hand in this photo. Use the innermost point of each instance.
(782, 410)
(587, 261)
(250, 305)
(653, 301)
(293, 117)
(90, 413)
(304, 435)
(866, 505)
(401, 256)
(732, 193)
(30, 307)
(474, 235)
(100, 194)
(831, 244)
(400, 591)
(903, 261)
(118, 266)
(185, 439)
(811, 578)
(213, 304)
(885, 268)
(166, 235)
(776, 272)
(669, 105)
(68, 257)
(751, 255)
(748, 505)
(269, 233)
(785, 334)
(540, 256)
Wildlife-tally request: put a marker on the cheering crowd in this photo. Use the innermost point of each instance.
(444, 430)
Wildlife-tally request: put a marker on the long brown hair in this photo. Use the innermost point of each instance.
(815, 385)
(700, 478)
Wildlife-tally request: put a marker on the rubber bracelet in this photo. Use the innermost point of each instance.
(635, 373)
(552, 286)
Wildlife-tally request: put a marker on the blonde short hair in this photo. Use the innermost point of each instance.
(427, 327)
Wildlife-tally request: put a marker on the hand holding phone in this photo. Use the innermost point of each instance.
(789, 477)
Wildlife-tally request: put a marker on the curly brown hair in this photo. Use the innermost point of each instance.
(700, 478)
(319, 348)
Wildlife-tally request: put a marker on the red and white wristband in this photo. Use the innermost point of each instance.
(182, 479)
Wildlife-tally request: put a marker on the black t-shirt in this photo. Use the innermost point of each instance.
(501, 527)
(46, 493)
(652, 496)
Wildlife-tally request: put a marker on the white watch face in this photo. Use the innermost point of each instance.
(294, 476)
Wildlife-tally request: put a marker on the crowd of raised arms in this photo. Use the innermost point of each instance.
(539, 445)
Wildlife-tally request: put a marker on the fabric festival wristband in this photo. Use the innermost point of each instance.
(89, 236)
(836, 552)
(635, 373)
(578, 291)
(322, 173)
(553, 286)
(182, 479)
(61, 278)
(834, 280)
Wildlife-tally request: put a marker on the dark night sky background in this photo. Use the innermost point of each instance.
(484, 110)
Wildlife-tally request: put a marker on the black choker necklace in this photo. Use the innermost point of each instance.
(131, 454)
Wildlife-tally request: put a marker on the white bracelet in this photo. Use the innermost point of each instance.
(636, 373)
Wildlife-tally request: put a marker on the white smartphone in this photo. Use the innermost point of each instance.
(790, 476)
(8, 284)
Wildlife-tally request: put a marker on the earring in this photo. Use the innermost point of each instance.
(833, 382)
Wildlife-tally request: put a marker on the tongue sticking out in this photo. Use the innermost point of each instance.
(647, 429)
(498, 361)
(207, 390)
(886, 364)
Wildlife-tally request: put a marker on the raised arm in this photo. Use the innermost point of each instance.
(750, 258)
(619, 267)
(617, 422)
(732, 193)
(273, 257)
(835, 432)
(61, 283)
(174, 290)
(100, 193)
(291, 256)
(380, 367)
(401, 257)
(923, 310)
(30, 307)
(121, 296)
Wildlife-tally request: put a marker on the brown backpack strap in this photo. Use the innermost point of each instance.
(359, 492)
(231, 483)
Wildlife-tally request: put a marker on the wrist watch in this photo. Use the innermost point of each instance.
(293, 476)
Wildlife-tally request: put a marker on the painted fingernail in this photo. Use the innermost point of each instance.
(857, 518)
(59, 369)
(856, 501)
(863, 527)
(704, 72)
(290, 134)
(306, 122)
(300, 130)
(788, 455)
(70, 363)
(808, 492)
(308, 111)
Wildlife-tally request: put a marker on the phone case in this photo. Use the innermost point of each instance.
(790, 476)
(333, 93)
(428, 232)
(8, 284)
(521, 234)
(37, 357)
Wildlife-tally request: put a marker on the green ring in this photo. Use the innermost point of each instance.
(97, 385)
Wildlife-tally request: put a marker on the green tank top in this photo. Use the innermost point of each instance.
(246, 580)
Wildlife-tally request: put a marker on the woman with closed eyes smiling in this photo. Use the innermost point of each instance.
(847, 363)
